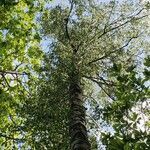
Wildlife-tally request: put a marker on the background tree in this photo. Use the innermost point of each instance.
(128, 113)
(19, 48)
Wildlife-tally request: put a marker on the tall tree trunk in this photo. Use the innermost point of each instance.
(77, 129)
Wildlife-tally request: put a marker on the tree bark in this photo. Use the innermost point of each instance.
(77, 128)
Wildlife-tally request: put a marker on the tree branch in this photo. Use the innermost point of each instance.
(130, 18)
(17, 66)
(12, 72)
(106, 82)
(108, 54)
(99, 84)
(66, 26)
(133, 17)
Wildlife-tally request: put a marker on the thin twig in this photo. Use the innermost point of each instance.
(94, 121)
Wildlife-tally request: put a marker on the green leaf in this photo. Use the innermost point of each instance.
(127, 146)
(146, 73)
(147, 61)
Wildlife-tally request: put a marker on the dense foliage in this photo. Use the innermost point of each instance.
(111, 42)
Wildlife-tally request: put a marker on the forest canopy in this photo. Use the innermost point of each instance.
(74, 74)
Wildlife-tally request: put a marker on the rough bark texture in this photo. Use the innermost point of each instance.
(78, 132)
